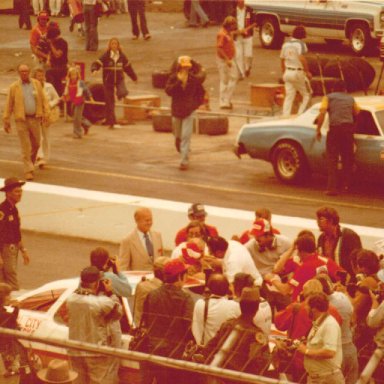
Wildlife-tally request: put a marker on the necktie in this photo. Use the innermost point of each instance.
(148, 245)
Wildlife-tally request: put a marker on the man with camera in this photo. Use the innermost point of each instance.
(322, 350)
(93, 314)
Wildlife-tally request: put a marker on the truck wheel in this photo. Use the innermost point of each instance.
(360, 38)
(366, 70)
(289, 163)
(270, 34)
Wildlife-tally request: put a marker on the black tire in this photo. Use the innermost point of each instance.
(269, 33)
(329, 83)
(213, 125)
(95, 113)
(366, 70)
(359, 38)
(289, 163)
(160, 78)
(313, 64)
(351, 75)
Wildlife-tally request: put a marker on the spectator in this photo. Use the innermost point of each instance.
(37, 38)
(211, 312)
(77, 16)
(53, 99)
(266, 247)
(147, 285)
(260, 213)
(142, 246)
(27, 102)
(90, 25)
(38, 6)
(342, 110)
(197, 12)
(244, 39)
(106, 264)
(76, 93)
(367, 267)
(114, 63)
(263, 318)
(350, 365)
(225, 48)
(57, 58)
(57, 371)
(196, 212)
(295, 70)
(240, 345)
(187, 93)
(311, 264)
(91, 314)
(55, 7)
(336, 242)
(167, 316)
(136, 8)
(235, 258)
(322, 351)
(24, 18)
(194, 230)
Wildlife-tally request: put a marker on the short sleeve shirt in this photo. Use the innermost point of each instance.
(291, 52)
(225, 41)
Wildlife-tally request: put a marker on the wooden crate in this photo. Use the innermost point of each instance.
(263, 94)
(132, 114)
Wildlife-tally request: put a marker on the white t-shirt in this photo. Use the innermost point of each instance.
(263, 318)
(291, 52)
(220, 309)
(238, 259)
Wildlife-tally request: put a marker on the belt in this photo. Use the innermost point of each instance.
(317, 375)
(295, 69)
(30, 116)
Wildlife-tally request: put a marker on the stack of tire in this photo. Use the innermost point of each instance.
(358, 74)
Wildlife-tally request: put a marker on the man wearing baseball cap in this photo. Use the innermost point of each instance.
(37, 38)
(167, 315)
(10, 234)
(187, 94)
(196, 212)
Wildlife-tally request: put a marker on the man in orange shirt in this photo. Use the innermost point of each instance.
(37, 39)
(226, 61)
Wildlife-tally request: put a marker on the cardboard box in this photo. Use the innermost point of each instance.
(132, 114)
(263, 95)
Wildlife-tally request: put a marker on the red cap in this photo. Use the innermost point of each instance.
(260, 227)
(191, 253)
(174, 267)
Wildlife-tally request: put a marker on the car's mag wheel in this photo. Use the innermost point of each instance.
(289, 163)
(360, 38)
(269, 33)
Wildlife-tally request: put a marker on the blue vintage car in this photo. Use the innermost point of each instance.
(291, 145)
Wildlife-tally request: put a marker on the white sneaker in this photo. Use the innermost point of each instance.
(117, 126)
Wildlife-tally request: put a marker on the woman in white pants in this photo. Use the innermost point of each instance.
(38, 5)
(55, 6)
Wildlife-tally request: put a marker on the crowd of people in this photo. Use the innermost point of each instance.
(325, 294)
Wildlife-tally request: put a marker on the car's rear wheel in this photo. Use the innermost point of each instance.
(270, 34)
(289, 163)
(360, 38)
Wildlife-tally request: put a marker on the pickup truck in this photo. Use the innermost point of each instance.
(359, 22)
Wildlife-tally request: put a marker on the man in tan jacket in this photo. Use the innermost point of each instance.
(142, 246)
(29, 106)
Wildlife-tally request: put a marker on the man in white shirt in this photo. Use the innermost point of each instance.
(322, 351)
(295, 70)
(235, 258)
(219, 309)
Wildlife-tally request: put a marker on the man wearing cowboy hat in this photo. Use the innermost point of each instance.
(10, 234)
(57, 372)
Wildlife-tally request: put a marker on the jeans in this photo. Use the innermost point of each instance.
(137, 8)
(79, 120)
(182, 129)
(340, 142)
(90, 25)
(228, 80)
(295, 81)
(196, 10)
(29, 136)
